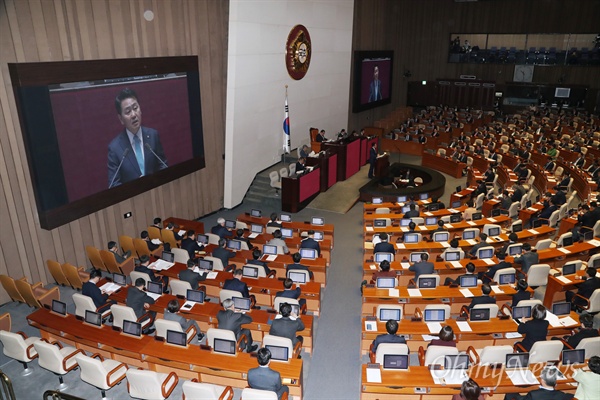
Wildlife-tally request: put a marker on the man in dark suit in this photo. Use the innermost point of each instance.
(137, 149)
(564, 183)
(528, 258)
(320, 136)
(220, 229)
(310, 243)
(300, 165)
(422, 267)
(482, 243)
(232, 320)
(297, 266)
(264, 378)
(143, 267)
(372, 159)
(256, 255)
(559, 198)
(488, 275)
(485, 298)
(193, 278)
(391, 336)
(146, 237)
(190, 244)
(172, 315)
(580, 161)
(287, 324)
(585, 288)
(489, 175)
(99, 297)
(112, 247)
(384, 246)
(139, 301)
(549, 166)
(585, 331)
(588, 216)
(470, 271)
(290, 293)
(236, 284)
(548, 379)
(412, 212)
(375, 86)
(223, 254)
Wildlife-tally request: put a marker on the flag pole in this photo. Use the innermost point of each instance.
(286, 130)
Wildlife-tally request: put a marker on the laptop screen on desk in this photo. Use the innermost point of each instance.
(514, 250)
(377, 200)
(434, 315)
(506, 279)
(562, 308)
(256, 228)
(297, 277)
(588, 235)
(431, 221)
(224, 346)
(202, 239)
(278, 353)
(404, 221)
(477, 216)
(379, 223)
(256, 213)
(132, 328)
(319, 235)
(249, 272)
(521, 312)
(427, 283)
(494, 231)
(119, 279)
(452, 255)
(423, 196)
(441, 236)
(467, 235)
(168, 256)
(459, 361)
(177, 338)
(309, 254)
(479, 314)
(405, 209)
(496, 212)
(93, 318)
(229, 224)
(234, 244)
(415, 257)
(269, 250)
(154, 287)
(401, 199)
(567, 241)
(285, 218)
(317, 221)
(569, 268)
(196, 296)
(517, 360)
(434, 207)
(411, 238)
(455, 204)
(454, 218)
(59, 307)
(537, 223)
(458, 189)
(287, 233)
(205, 264)
(468, 281)
(485, 253)
(241, 303)
(385, 314)
(517, 228)
(386, 283)
(395, 361)
(379, 257)
(576, 356)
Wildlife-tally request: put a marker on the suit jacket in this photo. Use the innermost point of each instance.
(411, 214)
(236, 284)
(420, 268)
(310, 243)
(193, 278)
(373, 156)
(221, 231)
(387, 338)
(375, 90)
(574, 340)
(264, 378)
(543, 394)
(527, 260)
(91, 290)
(587, 287)
(482, 300)
(136, 299)
(479, 245)
(384, 247)
(143, 268)
(535, 330)
(130, 169)
(559, 198)
(121, 258)
(564, 182)
(191, 246)
(299, 267)
(185, 324)
(520, 295)
(319, 138)
(580, 161)
(492, 271)
(289, 293)
(258, 262)
(287, 327)
(223, 254)
(232, 321)
(300, 167)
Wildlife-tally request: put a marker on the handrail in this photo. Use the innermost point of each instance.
(55, 395)
(6, 389)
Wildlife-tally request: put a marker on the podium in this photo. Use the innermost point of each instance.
(382, 166)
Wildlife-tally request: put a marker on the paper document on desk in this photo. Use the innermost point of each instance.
(425, 201)
(452, 210)
(456, 264)
(533, 231)
(161, 265)
(252, 235)
(489, 261)
(464, 326)
(422, 228)
(532, 209)
(212, 275)
(448, 226)
(449, 376)
(434, 327)
(371, 245)
(496, 289)
(414, 292)
(512, 335)
(154, 296)
(492, 220)
(594, 242)
(110, 287)
(371, 326)
(405, 265)
(404, 229)
(472, 242)
(373, 375)
(429, 338)
(271, 257)
(564, 279)
(472, 223)
(567, 321)
(373, 266)
(466, 292)
(400, 246)
(393, 292)
(445, 244)
(522, 377)
(563, 250)
(369, 229)
(428, 214)
(552, 319)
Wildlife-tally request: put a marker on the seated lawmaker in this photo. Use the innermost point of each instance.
(469, 271)
(296, 257)
(171, 314)
(309, 242)
(223, 254)
(265, 378)
(287, 324)
(446, 337)
(273, 221)
(256, 255)
(586, 330)
(391, 326)
(190, 276)
(290, 293)
(384, 271)
(422, 267)
(98, 296)
(300, 165)
(384, 246)
(112, 247)
(190, 244)
(535, 329)
(278, 241)
(151, 246)
(546, 391)
(585, 288)
(412, 213)
(521, 294)
(482, 243)
(485, 298)
(144, 267)
(488, 276)
(220, 229)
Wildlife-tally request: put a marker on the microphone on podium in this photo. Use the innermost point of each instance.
(147, 145)
(119, 167)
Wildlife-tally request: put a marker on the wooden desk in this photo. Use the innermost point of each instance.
(566, 225)
(556, 286)
(402, 147)
(327, 164)
(300, 226)
(185, 224)
(297, 192)
(443, 164)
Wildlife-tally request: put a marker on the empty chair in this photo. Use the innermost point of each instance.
(57, 358)
(563, 211)
(180, 255)
(57, 273)
(150, 385)
(529, 303)
(76, 275)
(538, 275)
(113, 266)
(544, 351)
(163, 325)
(489, 227)
(123, 313)
(382, 210)
(226, 334)
(593, 303)
(179, 287)
(561, 240)
(84, 303)
(445, 307)
(418, 220)
(261, 270)
(256, 394)
(94, 257)
(101, 373)
(543, 244)
(36, 295)
(272, 340)
(479, 201)
(5, 322)
(19, 347)
(427, 276)
(216, 263)
(441, 236)
(193, 390)
(274, 181)
(467, 232)
(388, 348)
(398, 307)
(516, 223)
(283, 172)
(225, 294)
(134, 275)
(292, 169)
(490, 354)
(9, 285)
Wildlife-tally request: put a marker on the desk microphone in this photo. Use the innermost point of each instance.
(119, 167)
(147, 145)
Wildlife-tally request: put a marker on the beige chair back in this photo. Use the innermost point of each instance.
(9, 285)
(57, 273)
(95, 258)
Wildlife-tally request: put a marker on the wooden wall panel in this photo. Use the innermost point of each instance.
(419, 33)
(63, 30)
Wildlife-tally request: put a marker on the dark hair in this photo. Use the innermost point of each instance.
(522, 285)
(285, 309)
(526, 246)
(273, 216)
(237, 272)
(486, 289)
(239, 232)
(170, 225)
(144, 234)
(222, 242)
(111, 244)
(454, 243)
(256, 253)
(424, 256)
(157, 220)
(412, 206)
(594, 364)
(513, 237)
(296, 257)
(173, 306)
(124, 94)
(391, 326)
(191, 263)
(446, 333)
(277, 234)
(501, 255)
(263, 355)
(591, 271)
(144, 259)
(384, 265)
(383, 236)
(191, 232)
(287, 283)
(470, 267)
(94, 273)
(140, 282)
(470, 390)
(586, 319)
(538, 312)
(483, 236)
(412, 225)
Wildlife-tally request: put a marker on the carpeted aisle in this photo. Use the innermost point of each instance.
(343, 195)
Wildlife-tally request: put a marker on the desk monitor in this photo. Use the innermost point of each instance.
(562, 308)
(404, 221)
(537, 198)
(176, 338)
(495, 231)
(319, 236)
(119, 279)
(441, 236)
(249, 272)
(59, 308)
(224, 346)
(395, 361)
(517, 360)
(197, 296)
(386, 283)
(458, 361)
(506, 279)
(309, 254)
(379, 257)
(567, 241)
(434, 315)
(528, 204)
(278, 353)
(256, 213)
(377, 200)
(477, 216)
(285, 218)
(93, 318)
(379, 223)
(233, 244)
(521, 312)
(569, 268)
(132, 328)
(587, 235)
(496, 212)
(479, 314)
(514, 250)
(468, 281)
(452, 255)
(415, 257)
(229, 224)
(576, 356)
(254, 228)
(431, 221)
(205, 264)
(467, 235)
(269, 250)
(427, 282)
(536, 223)
(516, 228)
(401, 199)
(317, 221)
(454, 218)
(154, 287)
(423, 196)
(202, 239)
(287, 233)
(241, 303)
(168, 256)
(485, 253)
(434, 207)
(411, 238)
(385, 314)
(405, 209)
(456, 204)
(458, 188)
(297, 277)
